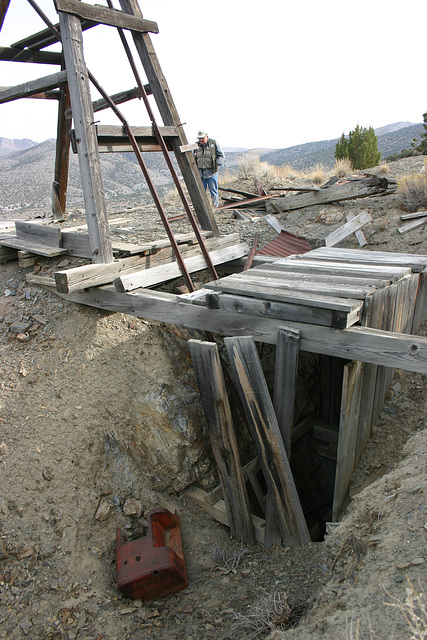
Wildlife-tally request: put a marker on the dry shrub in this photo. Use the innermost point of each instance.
(286, 172)
(384, 168)
(250, 165)
(317, 175)
(343, 168)
(412, 193)
(226, 176)
(414, 610)
(271, 612)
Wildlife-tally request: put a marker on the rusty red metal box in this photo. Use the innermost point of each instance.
(154, 566)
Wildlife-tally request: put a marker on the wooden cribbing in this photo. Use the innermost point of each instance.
(265, 431)
(217, 411)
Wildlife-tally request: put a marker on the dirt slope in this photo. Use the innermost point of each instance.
(68, 374)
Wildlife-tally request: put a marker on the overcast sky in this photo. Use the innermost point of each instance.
(268, 74)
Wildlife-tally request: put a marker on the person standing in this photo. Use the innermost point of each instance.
(209, 156)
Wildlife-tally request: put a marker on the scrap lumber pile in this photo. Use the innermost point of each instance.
(135, 265)
(359, 186)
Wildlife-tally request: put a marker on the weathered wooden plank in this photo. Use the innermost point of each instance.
(216, 407)
(285, 377)
(92, 275)
(283, 310)
(352, 226)
(119, 98)
(116, 131)
(265, 281)
(167, 272)
(27, 89)
(362, 256)
(359, 233)
(62, 156)
(412, 225)
(253, 288)
(372, 318)
(355, 343)
(32, 247)
(420, 311)
(38, 234)
(413, 216)
(254, 395)
(300, 263)
(113, 139)
(349, 417)
(360, 188)
(90, 169)
(103, 15)
(291, 276)
(13, 54)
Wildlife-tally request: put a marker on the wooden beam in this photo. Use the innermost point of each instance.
(119, 98)
(397, 350)
(114, 139)
(62, 156)
(27, 89)
(169, 114)
(38, 233)
(45, 38)
(357, 188)
(352, 226)
(380, 259)
(103, 15)
(90, 168)
(359, 233)
(92, 275)
(216, 407)
(285, 377)
(13, 54)
(254, 395)
(347, 438)
(167, 272)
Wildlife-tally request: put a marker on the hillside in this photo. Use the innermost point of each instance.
(390, 141)
(26, 173)
(76, 385)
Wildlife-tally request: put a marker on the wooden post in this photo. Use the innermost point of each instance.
(217, 411)
(347, 438)
(87, 145)
(62, 157)
(259, 410)
(169, 113)
(287, 353)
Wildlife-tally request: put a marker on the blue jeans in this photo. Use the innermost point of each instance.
(212, 183)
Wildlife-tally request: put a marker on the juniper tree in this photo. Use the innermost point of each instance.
(422, 146)
(361, 148)
(341, 148)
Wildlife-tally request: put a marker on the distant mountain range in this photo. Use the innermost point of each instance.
(391, 139)
(9, 146)
(27, 168)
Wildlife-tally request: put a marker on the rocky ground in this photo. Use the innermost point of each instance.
(68, 376)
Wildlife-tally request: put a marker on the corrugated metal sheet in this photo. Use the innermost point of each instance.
(285, 244)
